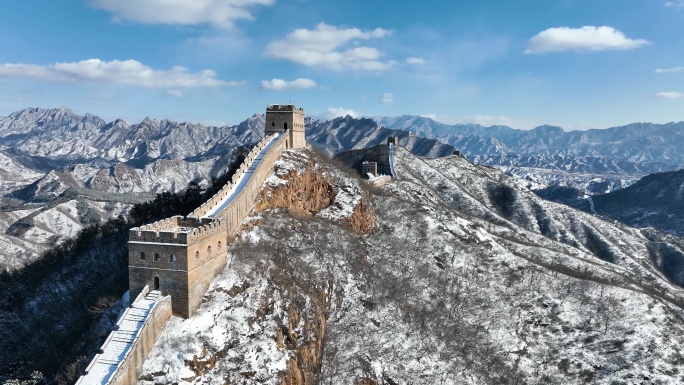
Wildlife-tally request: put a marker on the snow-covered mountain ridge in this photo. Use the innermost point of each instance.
(467, 278)
(62, 136)
(630, 151)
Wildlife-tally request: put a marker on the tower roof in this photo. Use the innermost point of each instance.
(282, 107)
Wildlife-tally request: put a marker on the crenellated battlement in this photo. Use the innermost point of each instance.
(284, 108)
(216, 226)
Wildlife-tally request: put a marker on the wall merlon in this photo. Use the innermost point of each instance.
(168, 236)
(148, 234)
(192, 221)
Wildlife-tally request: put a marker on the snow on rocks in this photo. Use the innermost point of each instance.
(469, 279)
(347, 198)
(226, 333)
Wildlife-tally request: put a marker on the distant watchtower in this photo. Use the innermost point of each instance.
(280, 118)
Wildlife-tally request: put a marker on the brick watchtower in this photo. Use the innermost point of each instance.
(280, 118)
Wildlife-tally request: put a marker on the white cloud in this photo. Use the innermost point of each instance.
(280, 84)
(219, 13)
(334, 112)
(675, 4)
(669, 70)
(117, 71)
(669, 95)
(325, 46)
(415, 60)
(387, 98)
(175, 93)
(587, 38)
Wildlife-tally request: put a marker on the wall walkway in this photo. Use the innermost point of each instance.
(135, 334)
(391, 161)
(244, 179)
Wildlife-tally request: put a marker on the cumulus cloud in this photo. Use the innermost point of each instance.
(587, 38)
(334, 112)
(117, 71)
(327, 46)
(218, 13)
(415, 60)
(280, 84)
(669, 70)
(387, 98)
(668, 95)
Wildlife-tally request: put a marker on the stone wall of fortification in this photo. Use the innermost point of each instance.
(236, 212)
(225, 190)
(188, 261)
(129, 369)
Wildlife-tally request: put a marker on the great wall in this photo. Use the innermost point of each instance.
(172, 262)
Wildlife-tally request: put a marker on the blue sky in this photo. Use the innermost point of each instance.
(573, 63)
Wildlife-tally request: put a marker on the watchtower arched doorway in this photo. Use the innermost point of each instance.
(156, 283)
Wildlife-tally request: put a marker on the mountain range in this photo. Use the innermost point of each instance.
(637, 147)
(656, 200)
(52, 158)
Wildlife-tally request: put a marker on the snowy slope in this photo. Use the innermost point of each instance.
(47, 226)
(468, 278)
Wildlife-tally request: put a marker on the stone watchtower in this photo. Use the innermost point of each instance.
(280, 118)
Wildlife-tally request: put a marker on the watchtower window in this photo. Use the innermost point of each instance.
(209, 250)
(157, 257)
(172, 258)
(219, 245)
(272, 124)
(197, 255)
(156, 283)
(285, 125)
(143, 256)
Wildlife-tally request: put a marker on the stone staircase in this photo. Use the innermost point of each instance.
(120, 341)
